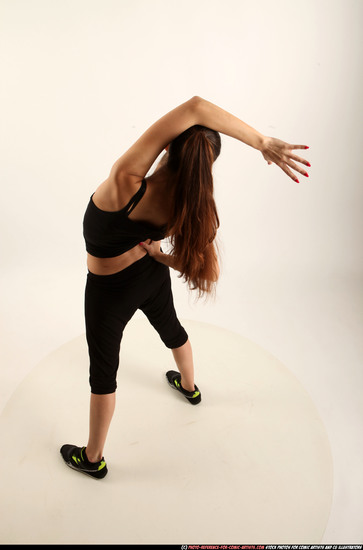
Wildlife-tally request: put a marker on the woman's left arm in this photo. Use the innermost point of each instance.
(138, 159)
(273, 150)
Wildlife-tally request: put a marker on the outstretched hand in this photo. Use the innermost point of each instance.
(276, 151)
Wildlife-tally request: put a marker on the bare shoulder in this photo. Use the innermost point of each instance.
(116, 191)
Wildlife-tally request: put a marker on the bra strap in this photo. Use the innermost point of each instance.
(136, 198)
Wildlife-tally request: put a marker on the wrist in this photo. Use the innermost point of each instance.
(158, 256)
(261, 141)
(166, 259)
(255, 139)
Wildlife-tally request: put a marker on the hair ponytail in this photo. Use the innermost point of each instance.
(194, 221)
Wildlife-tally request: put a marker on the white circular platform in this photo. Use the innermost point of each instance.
(250, 464)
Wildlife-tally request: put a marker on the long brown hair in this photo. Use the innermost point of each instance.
(194, 220)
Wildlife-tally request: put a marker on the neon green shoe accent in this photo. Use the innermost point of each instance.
(102, 465)
(78, 461)
(178, 385)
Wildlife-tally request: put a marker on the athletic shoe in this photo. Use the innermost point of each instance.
(76, 458)
(174, 380)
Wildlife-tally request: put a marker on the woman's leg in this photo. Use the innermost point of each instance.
(183, 357)
(159, 309)
(101, 411)
(108, 308)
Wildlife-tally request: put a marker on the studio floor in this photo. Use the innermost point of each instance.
(271, 455)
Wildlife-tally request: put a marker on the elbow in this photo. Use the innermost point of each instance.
(196, 101)
(195, 104)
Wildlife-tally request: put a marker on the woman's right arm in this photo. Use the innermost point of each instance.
(273, 150)
(153, 249)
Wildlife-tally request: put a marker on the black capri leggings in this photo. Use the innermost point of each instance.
(111, 301)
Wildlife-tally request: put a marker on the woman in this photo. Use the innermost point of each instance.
(127, 217)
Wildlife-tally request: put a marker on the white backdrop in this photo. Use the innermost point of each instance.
(83, 79)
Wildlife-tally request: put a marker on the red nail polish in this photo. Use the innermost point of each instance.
(306, 147)
(307, 175)
(308, 164)
(297, 181)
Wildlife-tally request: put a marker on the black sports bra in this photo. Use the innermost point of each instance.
(109, 234)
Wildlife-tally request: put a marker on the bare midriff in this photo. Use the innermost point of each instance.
(109, 266)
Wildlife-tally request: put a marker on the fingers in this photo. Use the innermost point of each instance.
(285, 164)
(298, 147)
(297, 168)
(300, 159)
(150, 246)
(287, 171)
(280, 153)
(289, 160)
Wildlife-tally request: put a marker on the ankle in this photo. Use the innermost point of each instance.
(92, 457)
(186, 386)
